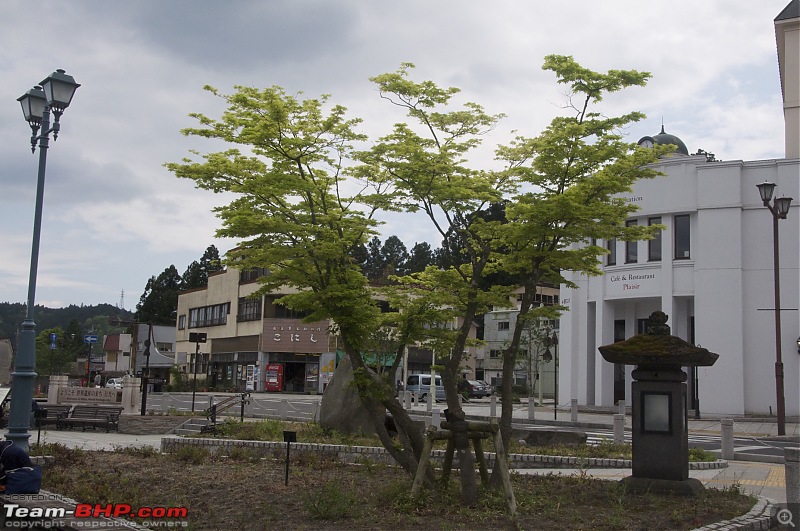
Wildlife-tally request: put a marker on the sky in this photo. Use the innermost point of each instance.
(113, 216)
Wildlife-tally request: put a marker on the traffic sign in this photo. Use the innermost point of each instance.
(90, 339)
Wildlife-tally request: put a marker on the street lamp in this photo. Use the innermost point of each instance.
(548, 357)
(54, 94)
(779, 208)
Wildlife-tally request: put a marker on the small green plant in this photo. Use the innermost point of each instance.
(330, 502)
(193, 455)
(701, 455)
(138, 451)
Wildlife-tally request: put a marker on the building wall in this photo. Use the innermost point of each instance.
(725, 287)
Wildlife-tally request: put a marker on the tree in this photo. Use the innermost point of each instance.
(395, 257)
(53, 361)
(572, 175)
(196, 275)
(426, 163)
(294, 217)
(159, 301)
(420, 257)
(373, 265)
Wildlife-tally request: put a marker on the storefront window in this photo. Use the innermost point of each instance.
(631, 248)
(654, 245)
(611, 258)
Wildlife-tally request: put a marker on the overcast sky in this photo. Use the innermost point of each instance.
(113, 215)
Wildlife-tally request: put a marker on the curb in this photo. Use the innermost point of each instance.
(759, 517)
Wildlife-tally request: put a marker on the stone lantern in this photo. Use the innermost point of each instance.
(659, 412)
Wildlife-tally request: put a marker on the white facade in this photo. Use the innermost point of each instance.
(720, 296)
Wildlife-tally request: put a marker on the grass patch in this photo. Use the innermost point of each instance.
(239, 492)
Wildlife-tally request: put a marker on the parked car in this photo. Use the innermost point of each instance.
(421, 385)
(115, 383)
(474, 388)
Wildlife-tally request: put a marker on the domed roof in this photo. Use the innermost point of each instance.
(665, 138)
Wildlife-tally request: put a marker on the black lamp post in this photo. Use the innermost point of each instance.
(54, 94)
(196, 338)
(548, 357)
(779, 208)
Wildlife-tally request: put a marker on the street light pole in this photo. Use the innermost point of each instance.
(779, 210)
(54, 94)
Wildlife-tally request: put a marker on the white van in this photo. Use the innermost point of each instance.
(420, 384)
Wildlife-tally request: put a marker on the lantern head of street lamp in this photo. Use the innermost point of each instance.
(766, 189)
(782, 205)
(59, 88)
(33, 103)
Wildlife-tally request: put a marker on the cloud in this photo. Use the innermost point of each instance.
(113, 215)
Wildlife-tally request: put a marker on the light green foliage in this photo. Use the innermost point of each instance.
(292, 209)
(570, 178)
(426, 161)
(572, 174)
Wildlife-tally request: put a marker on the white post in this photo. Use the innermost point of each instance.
(574, 410)
(792, 469)
(727, 439)
(407, 399)
(56, 383)
(436, 418)
(619, 429)
(492, 406)
(621, 407)
(130, 395)
(531, 408)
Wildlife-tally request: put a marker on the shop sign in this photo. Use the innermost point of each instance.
(293, 335)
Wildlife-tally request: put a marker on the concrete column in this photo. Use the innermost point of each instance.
(727, 439)
(436, 418)
(283, 410)
(619, 429)
(429, 400)
(131, 397)
(407, 399)
(56, 383)
(573, 406)
(492, 406)
(792, 475)
(621, 407)
(531, 408)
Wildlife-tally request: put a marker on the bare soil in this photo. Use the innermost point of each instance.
(247, 491)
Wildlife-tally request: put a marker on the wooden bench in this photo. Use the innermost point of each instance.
(91, 417)
(54, 411)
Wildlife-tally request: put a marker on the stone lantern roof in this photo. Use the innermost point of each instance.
(657, 348)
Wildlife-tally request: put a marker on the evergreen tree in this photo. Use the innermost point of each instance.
(420, 257)
(159, 302)
(196, 275)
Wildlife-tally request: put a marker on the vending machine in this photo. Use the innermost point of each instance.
(273, 377)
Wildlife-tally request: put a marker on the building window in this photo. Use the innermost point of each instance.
(654, 245)
(611, 257)
(249, 309)
(251, 275)
(494, 353)
(503, 325)
(182, 322)
(631, 248)
(214, 315)
(680, 227)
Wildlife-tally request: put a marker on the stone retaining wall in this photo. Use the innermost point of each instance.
(354, 454)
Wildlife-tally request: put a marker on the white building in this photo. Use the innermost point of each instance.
(710, 271)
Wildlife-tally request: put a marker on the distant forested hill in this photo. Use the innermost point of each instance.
(13, 313)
